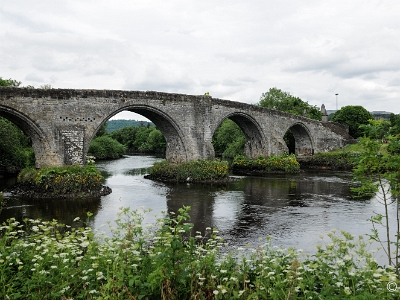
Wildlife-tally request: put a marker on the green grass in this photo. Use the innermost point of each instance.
(165, 260)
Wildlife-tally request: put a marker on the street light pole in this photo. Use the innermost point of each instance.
(336, 101)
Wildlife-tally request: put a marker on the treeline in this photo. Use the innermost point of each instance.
(132, 139)
(114, 125)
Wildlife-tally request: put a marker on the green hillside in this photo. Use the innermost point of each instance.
(114, 125)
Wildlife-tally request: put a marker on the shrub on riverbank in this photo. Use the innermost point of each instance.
(104, 147)
(67, 181)
(194, 171)
(46, 260)
(284, 163)
(330, 160)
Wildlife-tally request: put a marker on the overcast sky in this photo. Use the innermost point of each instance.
(235, 50)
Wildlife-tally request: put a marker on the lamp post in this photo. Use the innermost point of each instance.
(336, 101)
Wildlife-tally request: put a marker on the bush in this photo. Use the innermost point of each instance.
(284, 163)
(335, 160)
(394, 145)
(62, 180)
(201, 170)
(46, 260)
(104, 147)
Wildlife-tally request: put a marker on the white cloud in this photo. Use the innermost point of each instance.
(232, 49)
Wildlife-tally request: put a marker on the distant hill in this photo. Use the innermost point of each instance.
(114, 125)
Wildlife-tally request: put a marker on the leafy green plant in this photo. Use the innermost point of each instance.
(167, 260)
(104, 147)
(284, 163)
(201, 170)
(379, 171)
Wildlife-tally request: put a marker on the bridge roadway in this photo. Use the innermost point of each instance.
(62, 122)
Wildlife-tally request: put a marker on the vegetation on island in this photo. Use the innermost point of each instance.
(64, 182)
(166, 260)
(193, 171)
(262, 165)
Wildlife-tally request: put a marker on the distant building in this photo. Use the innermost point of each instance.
(378, 114)
(381, 115)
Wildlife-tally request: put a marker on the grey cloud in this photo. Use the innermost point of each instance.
(35, 78)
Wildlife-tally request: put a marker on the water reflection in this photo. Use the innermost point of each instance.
(294, 209)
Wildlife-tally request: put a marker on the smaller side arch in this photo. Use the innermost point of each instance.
(255, 139)
(40, 145)
(304, 144)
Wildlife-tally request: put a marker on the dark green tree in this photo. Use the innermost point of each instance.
(16, 152)
(394, 124)
(280, 100)
(353, 116)
(228, 139)
(376, 129)
(104, 147)
(9, 82)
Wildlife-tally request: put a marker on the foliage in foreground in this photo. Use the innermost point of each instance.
(283, 163)
(46, 260)
(62, 180)
(200, 170)
(378, 170)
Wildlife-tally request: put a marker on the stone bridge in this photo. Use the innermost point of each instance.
(62, 122)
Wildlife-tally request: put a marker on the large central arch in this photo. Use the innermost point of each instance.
(175, 146)
(255, 139)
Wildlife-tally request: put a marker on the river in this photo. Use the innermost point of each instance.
(295, 209)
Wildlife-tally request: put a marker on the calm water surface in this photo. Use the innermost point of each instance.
(294, 209)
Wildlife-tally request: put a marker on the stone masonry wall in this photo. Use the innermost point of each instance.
(62, 123)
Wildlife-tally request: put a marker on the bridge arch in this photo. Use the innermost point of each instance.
(39, 142)
(176, 149)
(255, 139)
(304, 144)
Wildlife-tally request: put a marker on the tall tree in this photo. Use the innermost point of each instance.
(9, 82)
(280, 100)
(353, 116)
